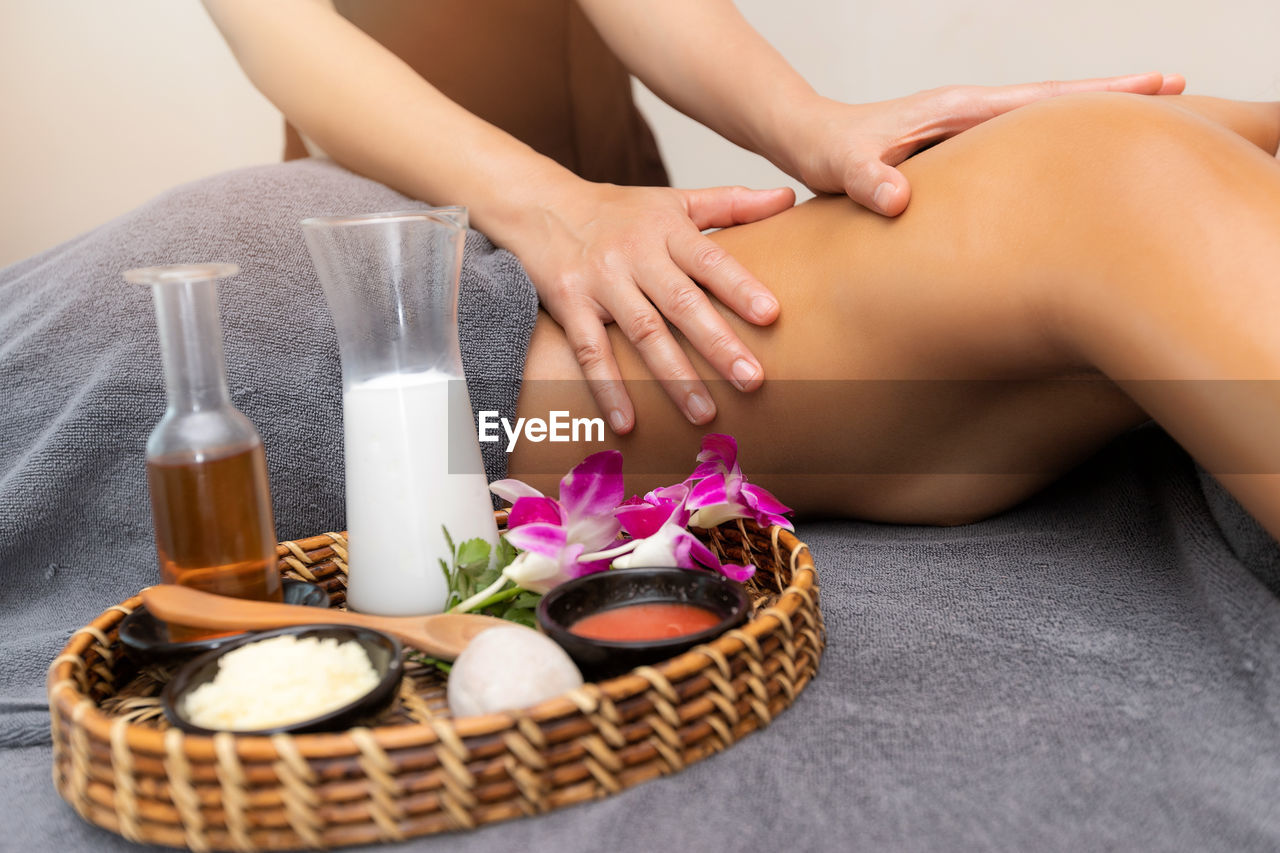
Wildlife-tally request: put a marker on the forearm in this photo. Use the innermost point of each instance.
(707, 61)
(373, 114)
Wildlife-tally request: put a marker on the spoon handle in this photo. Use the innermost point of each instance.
(200, 609)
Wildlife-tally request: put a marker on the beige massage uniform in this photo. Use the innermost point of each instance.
(535, 68)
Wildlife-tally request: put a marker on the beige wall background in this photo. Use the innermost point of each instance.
(105, 104)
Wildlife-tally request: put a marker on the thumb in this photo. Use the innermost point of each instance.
(879, 187)
(719, 207)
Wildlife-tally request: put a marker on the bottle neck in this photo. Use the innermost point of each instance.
(191, 344)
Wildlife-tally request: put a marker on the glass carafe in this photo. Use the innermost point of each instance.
(413, 461)
(210, 498)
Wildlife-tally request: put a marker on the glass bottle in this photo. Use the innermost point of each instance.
(206, 469)
(413, 460)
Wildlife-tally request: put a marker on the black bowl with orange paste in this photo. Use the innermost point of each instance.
(614, 621)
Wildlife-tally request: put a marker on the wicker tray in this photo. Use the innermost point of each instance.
(118, 763)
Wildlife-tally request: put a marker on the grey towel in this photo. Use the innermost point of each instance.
(81, 386)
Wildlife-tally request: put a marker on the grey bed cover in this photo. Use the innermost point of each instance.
(1094, 670)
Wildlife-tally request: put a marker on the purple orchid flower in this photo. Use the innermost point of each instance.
(578, 533)
(656, 526)
(546, 558)
(641, 518)
(719, 492)
(672, 545)
(554, 534)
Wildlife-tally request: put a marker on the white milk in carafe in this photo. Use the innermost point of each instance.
(400, 491)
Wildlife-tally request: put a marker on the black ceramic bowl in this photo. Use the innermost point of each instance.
(146, 638)
(383, 651)
(570, 601)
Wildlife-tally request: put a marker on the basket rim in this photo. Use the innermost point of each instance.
(66, 698)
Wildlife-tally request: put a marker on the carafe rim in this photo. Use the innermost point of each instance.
(438, 215)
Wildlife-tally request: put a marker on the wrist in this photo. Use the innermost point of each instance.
(518, 212)
(790, 136)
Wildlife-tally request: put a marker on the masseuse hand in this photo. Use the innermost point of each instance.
(636, 256)
(853, 148)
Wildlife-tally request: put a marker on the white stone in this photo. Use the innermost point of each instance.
(508, 668)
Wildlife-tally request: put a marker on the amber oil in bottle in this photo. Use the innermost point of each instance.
(206, 469)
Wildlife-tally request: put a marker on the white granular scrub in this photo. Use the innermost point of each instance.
(280, 681)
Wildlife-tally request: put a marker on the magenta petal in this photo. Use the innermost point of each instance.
(701, 553)
(734, 572)
(594, 486)
(642, 520)
(578, 569)
(706, 469)
(528, 510)
(668, 494)
(763, 500)
(673, 498)
(538, 537)
(719, 448)
(771, 520)
(711, 490)
(593, 531)
(680, 551)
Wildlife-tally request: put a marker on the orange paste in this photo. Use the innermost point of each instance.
(641, 622)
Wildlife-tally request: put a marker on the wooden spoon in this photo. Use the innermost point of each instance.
(441, 635)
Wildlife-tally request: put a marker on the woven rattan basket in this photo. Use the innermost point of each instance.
(120, 766)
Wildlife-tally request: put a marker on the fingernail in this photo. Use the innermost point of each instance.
(883, 194)
(744, 373)
(699, 408)
(763, 307)
(617, 420)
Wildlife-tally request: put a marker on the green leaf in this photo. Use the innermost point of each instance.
(519, 615)
(506, 553)
(427, 660)
(528, 599)
(471, 572)
(472, 556)
(488, 576)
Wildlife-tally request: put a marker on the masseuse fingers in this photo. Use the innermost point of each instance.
(713, 267)
(971, 105)
(645, 327)
(704, 261)
(875, 184)
(939, 113)
(590, 344)
(684, 303)
(720, 207)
